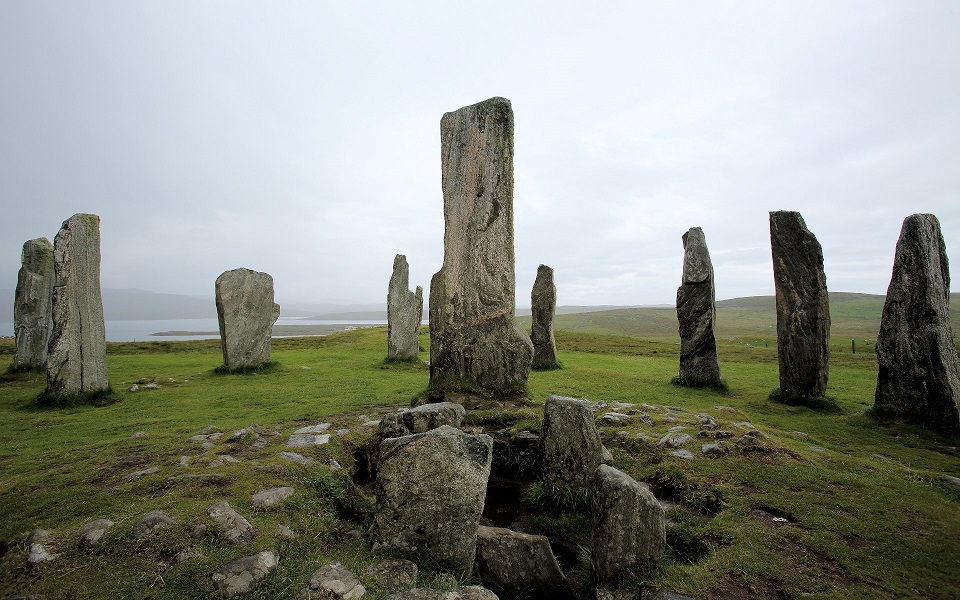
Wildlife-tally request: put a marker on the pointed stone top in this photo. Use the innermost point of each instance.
(696, 258)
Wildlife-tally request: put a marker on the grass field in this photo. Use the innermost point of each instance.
(866, 512)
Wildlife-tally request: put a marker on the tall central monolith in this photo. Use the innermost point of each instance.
(803, 309)
(474, 337)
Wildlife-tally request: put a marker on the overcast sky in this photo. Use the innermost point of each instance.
(303, 138)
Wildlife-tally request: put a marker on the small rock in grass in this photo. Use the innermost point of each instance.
(711, 449)
(297, 458)
(649, 407)
(305, 440)
(677, 428)
(342, 432)
(333, 580)
(37, 544)
(287, 533)
(393, 574)
(91, 532)
(133, 388)
(318, 428)
(682, 453)
(334, 465)
(200, 531)
(747, 442)
(818, 448)
(185, 460)
(880, 457)
(271, 497)
(674, 440)
(951, 479)
(137, 434)
(142, 473)
(646, 419)
(183, 555)
(615, 417)
(236, 529)
(722, 434)
(151, 521)
(244, 574)
(670, 417)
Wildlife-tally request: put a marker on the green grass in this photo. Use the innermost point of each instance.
(857, 526)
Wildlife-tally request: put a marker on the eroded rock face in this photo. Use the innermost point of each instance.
(151, 521)
(77, 359)
(474, 337)
(430, 492)
(543, 300)
(516, 564)
(32, 316)
(247, 312)
(569, 442)
(918, 374)
(697, 313)
(404, 314)
(629, 530)
(243, 575)
(803, 310)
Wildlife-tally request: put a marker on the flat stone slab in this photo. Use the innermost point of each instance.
(271, 497)
(306, 440)
(297, 458)
(393, 574)
(318, 428)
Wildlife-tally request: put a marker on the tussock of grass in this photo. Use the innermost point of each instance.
(827, 404)
(98, 398)
(556, 497)
(267, 367)
(697, 384)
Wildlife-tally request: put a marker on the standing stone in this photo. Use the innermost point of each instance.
(474, 337)
(803, 310)
(404, 314)
(247, 312)
(918, 375)
(32, 317)
(77, 360)
(697, 314)
(629, 530)
(430, 491)
(569, 442)
(543, 300)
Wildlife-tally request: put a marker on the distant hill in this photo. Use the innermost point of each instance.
(380, 314)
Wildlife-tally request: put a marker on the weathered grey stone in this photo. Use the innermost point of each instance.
(306, 440)
(430, 492)
(271, 497)
(404, 313)
(246, 312)
(514, 563)
(472, 592)
(918, 373)
(674, 440)
(697, 314)
(236, 529)
(393, 574)
(474, 337)
(422, 419)
(297, 458)
(748, 442)
(38, 547)
(318, 428)
(333, 580)
(543, 302)
(628, 526)
(91, 532)
(803, 310)
(77, 359)
(32, 310)
(287, 533)
(711, 449)
(243, 575)
(151, 521)
(569, 442)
